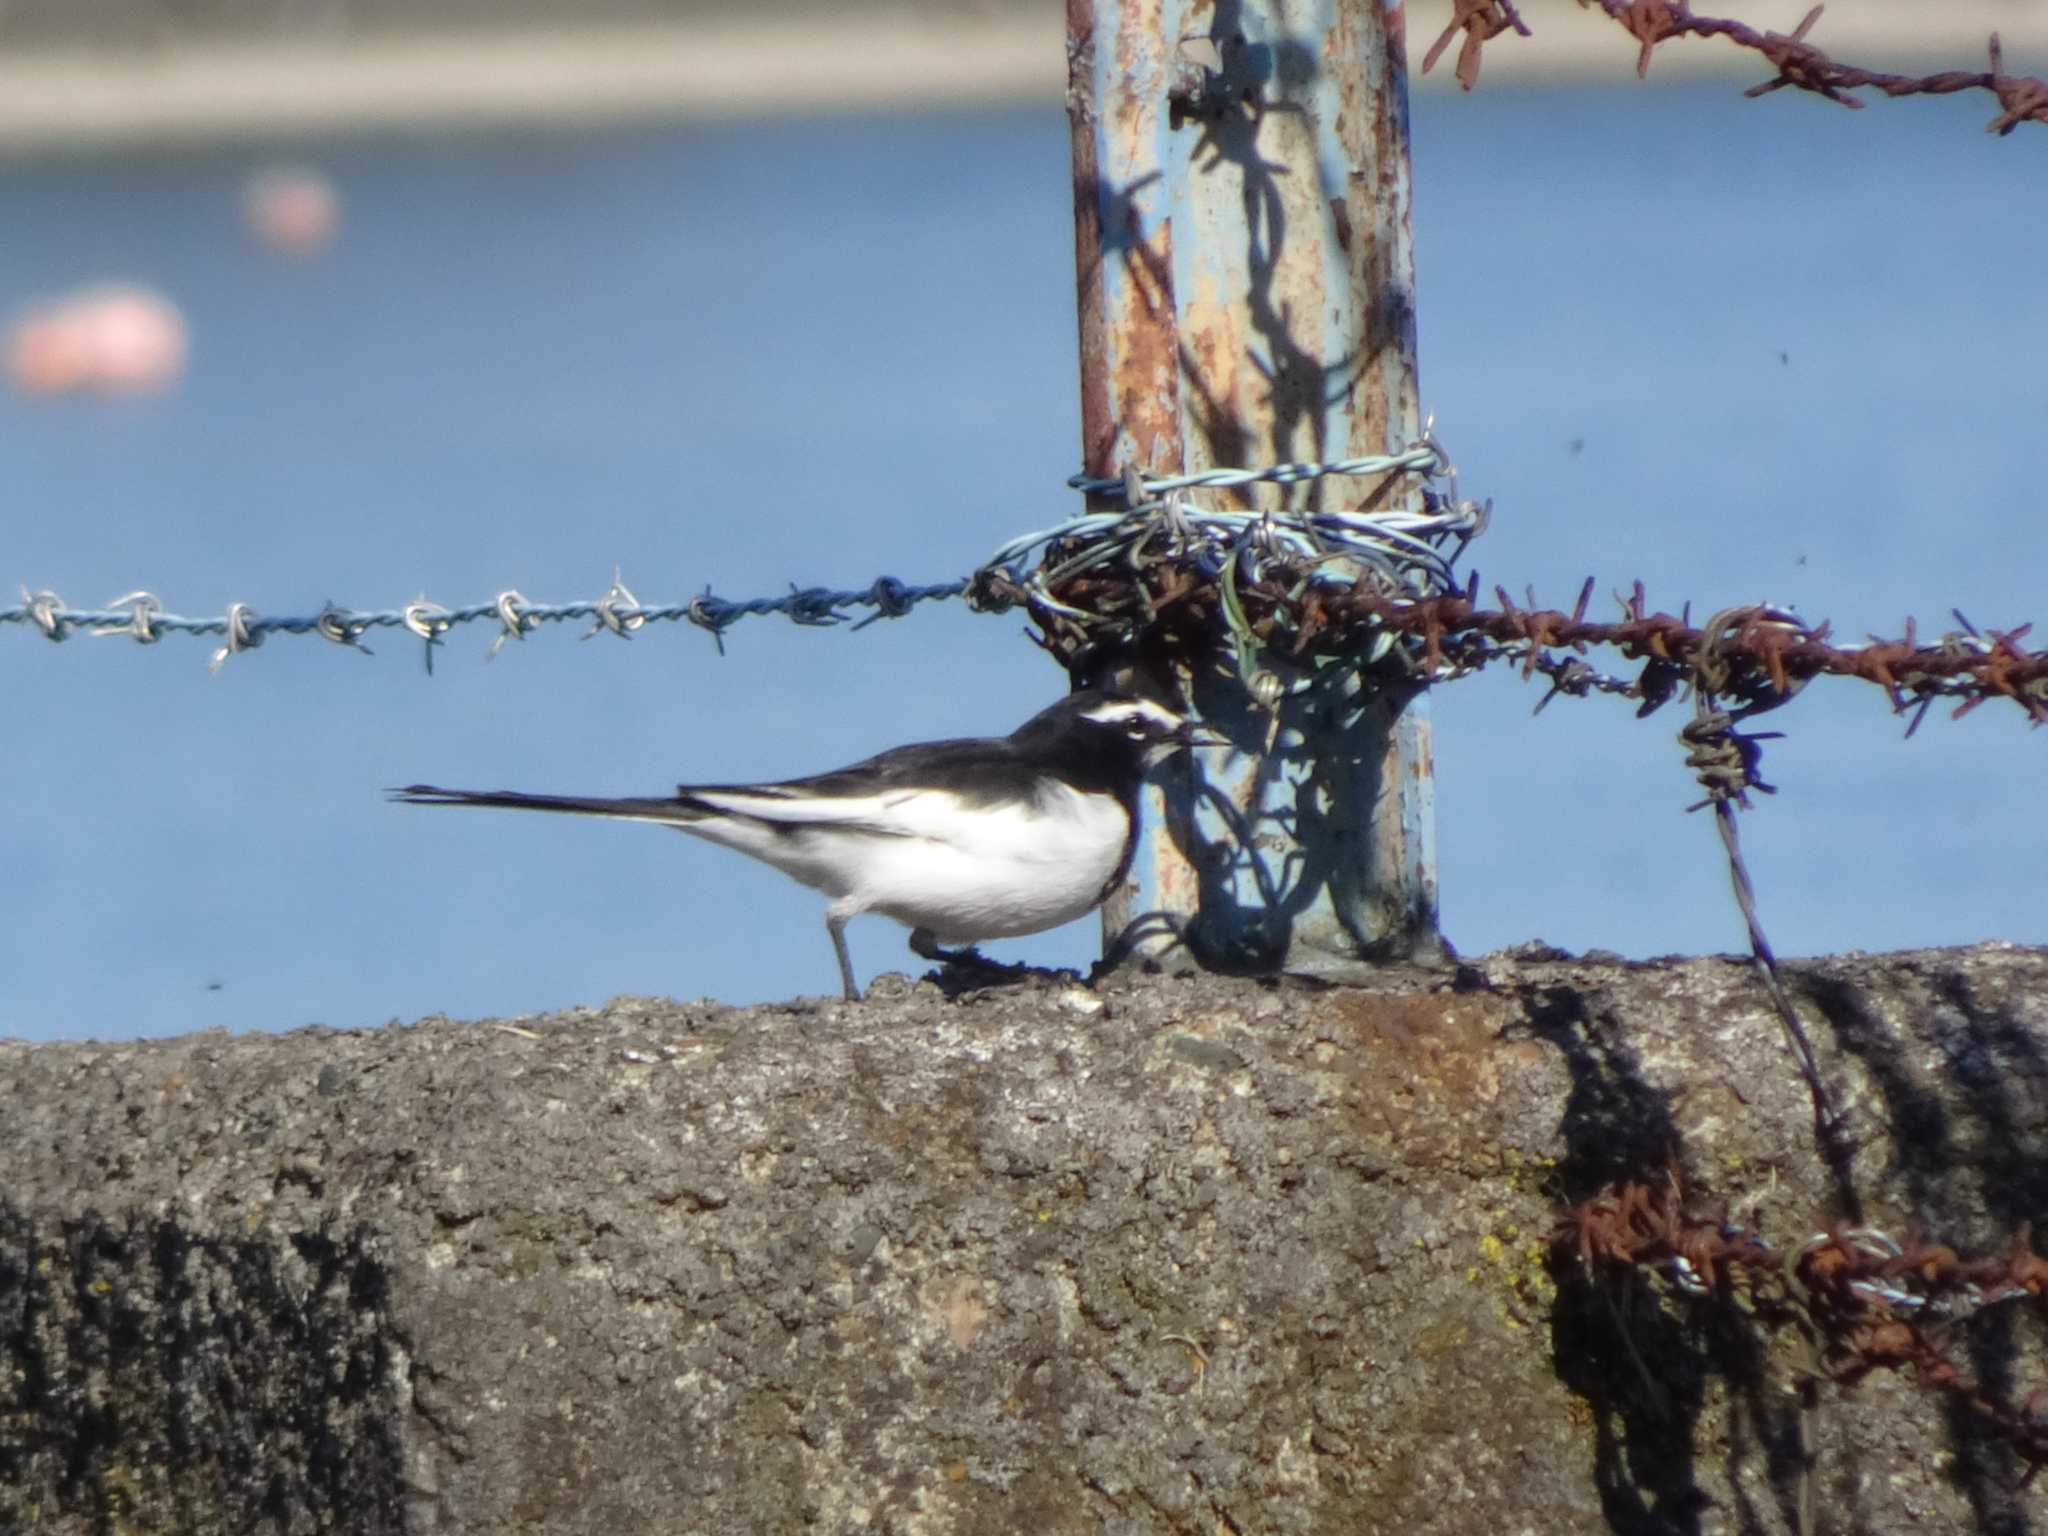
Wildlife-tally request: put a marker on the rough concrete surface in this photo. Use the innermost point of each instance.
(1181, 1255)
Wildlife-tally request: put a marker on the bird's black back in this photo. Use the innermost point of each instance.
(991, 770)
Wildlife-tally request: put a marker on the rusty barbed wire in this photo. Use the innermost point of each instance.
(1799, 64)
(1728, 764)
(1163, 598)
(1865, 1300)
(1141, 582)
(1158, 593)
(1481, 21)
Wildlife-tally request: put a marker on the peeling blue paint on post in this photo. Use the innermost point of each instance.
(1116, 102)
(1246, 298)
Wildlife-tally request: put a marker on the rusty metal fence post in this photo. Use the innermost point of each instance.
(1245, 284)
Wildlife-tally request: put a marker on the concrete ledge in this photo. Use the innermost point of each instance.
(1184, 1255)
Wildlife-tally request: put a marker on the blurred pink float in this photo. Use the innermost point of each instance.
(107, 340)
(293, 211)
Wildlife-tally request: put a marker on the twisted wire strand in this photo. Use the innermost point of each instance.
(1404, 546)
(142, 616)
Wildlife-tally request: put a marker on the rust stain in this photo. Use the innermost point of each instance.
(1449, 1038)
(1372, 127)
(1098, 425)
(1213, 364)
(1145, 346)
(1128, 346)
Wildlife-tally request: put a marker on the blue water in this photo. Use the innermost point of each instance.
(1794, 345)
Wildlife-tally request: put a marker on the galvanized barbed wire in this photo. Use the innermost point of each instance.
(1272, 582)
(1425, 458)
(1864, 1299)
(1400, 550)
(1393, 541)
(142, 616)
(1400, 544)
(1798, 63)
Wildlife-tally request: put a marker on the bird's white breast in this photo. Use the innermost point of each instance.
(928, 858)
(989, 872)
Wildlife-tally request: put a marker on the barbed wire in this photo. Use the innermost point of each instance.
(1136, 490)
(1865, 1300)
(1798, 63)
(1394, 541)
(142, 617)
(1087, 608)
(1728, 764)
(1398, 549)
(1405, 551)
(1160, 583)
(1339, 586)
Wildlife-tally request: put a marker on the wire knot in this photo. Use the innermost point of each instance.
(426, 618)
(1727, 762)
(430, 621)
(46, 611)
(342, 627)
(143, 608)
(607, 610)
(712, 613)
(510, 607)
(891, 599)
(1571, 676)
(1800, 64)
(817, 606)
(1480, 21)
(240, 636)
(2024, 98)
(1651, 22)
(1761, 680)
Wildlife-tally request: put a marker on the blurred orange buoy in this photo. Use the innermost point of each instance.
(115, 339)
(292, 210)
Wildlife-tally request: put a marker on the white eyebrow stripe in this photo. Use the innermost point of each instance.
(1125, 710)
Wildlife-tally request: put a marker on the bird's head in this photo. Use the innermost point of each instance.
(1123, 723)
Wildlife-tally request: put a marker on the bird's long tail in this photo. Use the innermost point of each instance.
(673, 809)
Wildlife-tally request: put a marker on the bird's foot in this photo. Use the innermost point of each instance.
(968, 964)
(925, 945)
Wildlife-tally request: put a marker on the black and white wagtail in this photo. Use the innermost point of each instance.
(961, 840)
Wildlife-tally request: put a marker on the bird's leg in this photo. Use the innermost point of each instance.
(836, 926)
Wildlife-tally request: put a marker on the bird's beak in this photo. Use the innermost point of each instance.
(1197, 733)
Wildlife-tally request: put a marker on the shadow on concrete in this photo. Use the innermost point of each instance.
(163, 1382)
(1640, 1358)
(1967, 1137)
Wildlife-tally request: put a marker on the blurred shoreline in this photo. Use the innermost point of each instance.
(143, 88)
